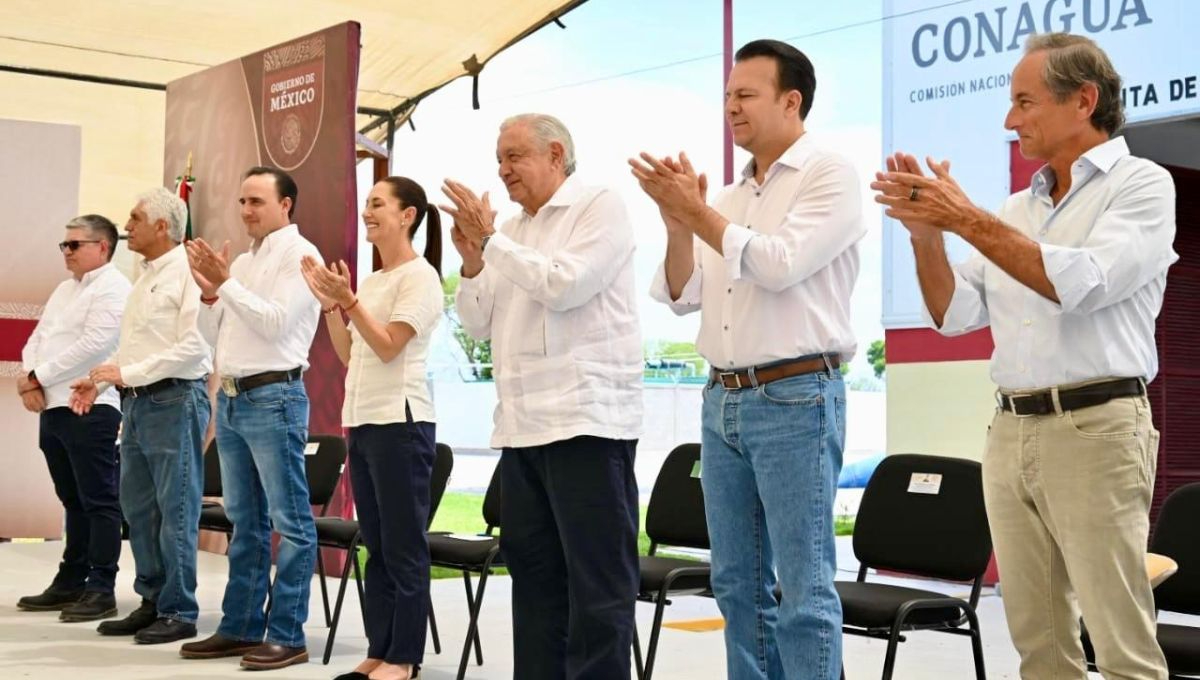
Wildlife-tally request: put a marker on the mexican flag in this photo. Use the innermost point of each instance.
(183, 188)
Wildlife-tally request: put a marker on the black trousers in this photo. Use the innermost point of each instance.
(569, 527)
(390, 468)
(81, 453)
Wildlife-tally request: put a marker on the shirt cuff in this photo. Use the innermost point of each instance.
(733, 244)
(1073, 274)
(689, 297)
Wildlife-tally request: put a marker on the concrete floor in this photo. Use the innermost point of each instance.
(36, 645)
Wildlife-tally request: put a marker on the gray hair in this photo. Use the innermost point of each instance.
(546, 129)
(97, 226)
(161, 204)
(1071, 62)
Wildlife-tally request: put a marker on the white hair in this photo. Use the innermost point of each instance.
(546, 129)
(161, 204)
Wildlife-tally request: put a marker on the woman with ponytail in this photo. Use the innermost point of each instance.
(382, 335)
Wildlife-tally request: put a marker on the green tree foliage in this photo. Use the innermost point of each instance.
(877, 355)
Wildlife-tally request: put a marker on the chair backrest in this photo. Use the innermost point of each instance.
(443, 464)
(323, 467)
(1176, 536)
(212, 470)
(924, 515)
(675, 515)
(491, 500)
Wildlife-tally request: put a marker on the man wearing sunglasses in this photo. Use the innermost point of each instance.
(78, 329)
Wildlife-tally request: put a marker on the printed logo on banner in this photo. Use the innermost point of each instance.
(293, 100)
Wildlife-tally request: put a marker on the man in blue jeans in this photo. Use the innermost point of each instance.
(161, 366)
(263, 317)
(770, 266)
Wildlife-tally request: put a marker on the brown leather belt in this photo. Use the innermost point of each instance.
(740, 378)
(1042, 403)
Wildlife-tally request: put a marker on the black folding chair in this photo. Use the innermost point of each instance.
(344, 534)
(920, 515)
(1175, 536)
(212, 514)
(472, 557)
(675, 517)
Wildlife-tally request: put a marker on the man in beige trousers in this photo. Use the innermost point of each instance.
(1070, 276)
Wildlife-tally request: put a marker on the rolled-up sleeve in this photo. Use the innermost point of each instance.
(1129, 246)
(968, 306)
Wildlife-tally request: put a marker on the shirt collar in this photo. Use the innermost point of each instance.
(276, 236)
(1101, 157)
(794, 158)
(96, 273)
(566, 194)
(163, 260)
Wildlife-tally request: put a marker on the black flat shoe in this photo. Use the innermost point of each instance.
(353, 675)
(91, 607)
(165, 630)
(50, 600)
(138, 619)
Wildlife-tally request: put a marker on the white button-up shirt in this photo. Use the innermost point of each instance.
(377, 392)
(1106, 248)
(266, 316)
(557, 298)
(782, 288)
(78, 331)
(159, 335)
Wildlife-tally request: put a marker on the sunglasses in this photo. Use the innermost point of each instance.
(74, 245)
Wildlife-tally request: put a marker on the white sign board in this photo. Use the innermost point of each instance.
(946, 91)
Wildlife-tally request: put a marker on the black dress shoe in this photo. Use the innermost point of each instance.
(92, 606)
(51, 600)
(138, 619)
(353, 675)
(165, 630)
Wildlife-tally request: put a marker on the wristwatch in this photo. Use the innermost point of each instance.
(483, 243)
(33, 378)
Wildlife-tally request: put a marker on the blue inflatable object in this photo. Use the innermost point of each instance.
(857, 474)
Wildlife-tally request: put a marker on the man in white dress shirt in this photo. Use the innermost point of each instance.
(160, 367)
(79, 329)
(770, 266)
(262, 318)
(1070, 275)
(553, 289)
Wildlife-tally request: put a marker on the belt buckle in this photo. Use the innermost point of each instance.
(1012, 401)
(229, 386)
(737, 379)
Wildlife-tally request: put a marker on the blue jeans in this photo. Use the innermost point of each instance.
(770, 460)
(261, 435)
(162, 476)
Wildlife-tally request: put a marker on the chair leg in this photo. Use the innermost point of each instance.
(656, 628)
(433, 631)
(889, 660)
(637, 653)
(358, 582)
(473, 625)
(351, 556)
(470, 604)
(324, 590)
(976, 644)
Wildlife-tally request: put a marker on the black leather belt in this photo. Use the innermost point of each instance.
(235, 386)
(739, 378)
(1042, 403)
(151, 388)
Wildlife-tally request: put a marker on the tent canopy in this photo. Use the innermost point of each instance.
(409, 49)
